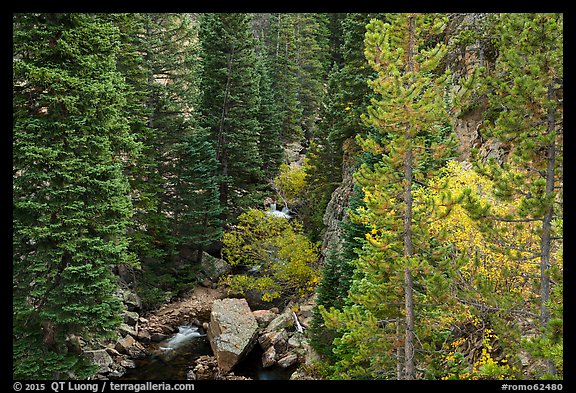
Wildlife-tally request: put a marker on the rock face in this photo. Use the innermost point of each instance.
(335, 211)
(100, 358)
(232, 331)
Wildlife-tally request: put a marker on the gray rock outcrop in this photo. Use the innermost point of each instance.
(232, 331)
(335, 212)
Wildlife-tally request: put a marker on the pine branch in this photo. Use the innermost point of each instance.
(501, 219)
(491, 309)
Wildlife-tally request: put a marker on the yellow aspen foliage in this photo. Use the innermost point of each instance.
(509, 266)
(495, 270)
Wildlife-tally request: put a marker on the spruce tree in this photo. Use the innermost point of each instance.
(148, 221)
(270, 144)
(312, 61)
(171, 55)
(200, 194)
(230, 106)
(347, 98)
(285, 82)
(71, 204)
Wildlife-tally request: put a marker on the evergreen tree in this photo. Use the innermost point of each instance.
(347, 97)
(175, 179)
(336, 38)
(270, 144)
(285, 82)
(71, 199)
(148, 220)
(171, 56)
(200, 194)
(312, 61)
(411, 112)
(525, 113)
(230, 106)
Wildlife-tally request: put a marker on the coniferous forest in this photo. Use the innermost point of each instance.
(402, 171)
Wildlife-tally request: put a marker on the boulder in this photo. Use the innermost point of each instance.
(123, 345)
(269, 357)
(131, 300)
(206, 368)
(300, 374)
(288, 360)
(278, 340)
(126, 330)
(127, 363)
(264, 317)
(158, 337)
(100, 358)
(296, 341)
(282, 321)
(214, 268)
(131, 318)
(129, 346)
(232, 331)
(306, 311)
(144, 336)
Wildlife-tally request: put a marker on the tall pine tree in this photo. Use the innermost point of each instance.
(148, 220)
(347, 98)
(270, 143)
(411, 111)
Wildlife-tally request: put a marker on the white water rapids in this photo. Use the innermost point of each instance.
(184, 335)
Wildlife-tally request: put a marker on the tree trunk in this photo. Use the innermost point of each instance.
(221, 153)
(545, 240)
(399, 354)
(408, 285)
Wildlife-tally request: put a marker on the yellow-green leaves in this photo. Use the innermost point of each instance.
(277, 257)
(291, 182)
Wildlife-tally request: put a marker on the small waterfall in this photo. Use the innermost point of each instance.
(184, 335)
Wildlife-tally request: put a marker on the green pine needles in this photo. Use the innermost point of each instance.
(71, 203)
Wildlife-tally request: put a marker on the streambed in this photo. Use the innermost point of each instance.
(171, 359)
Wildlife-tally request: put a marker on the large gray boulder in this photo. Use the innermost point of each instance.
(232, 331)
(214, 268)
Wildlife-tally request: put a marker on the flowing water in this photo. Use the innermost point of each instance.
(171, 359)
(183, 337)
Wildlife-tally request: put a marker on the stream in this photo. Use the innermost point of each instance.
(171, 359)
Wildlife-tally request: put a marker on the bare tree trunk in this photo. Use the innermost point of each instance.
(221, 153)
(408, 285)
(545, 240)
(399, 354)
